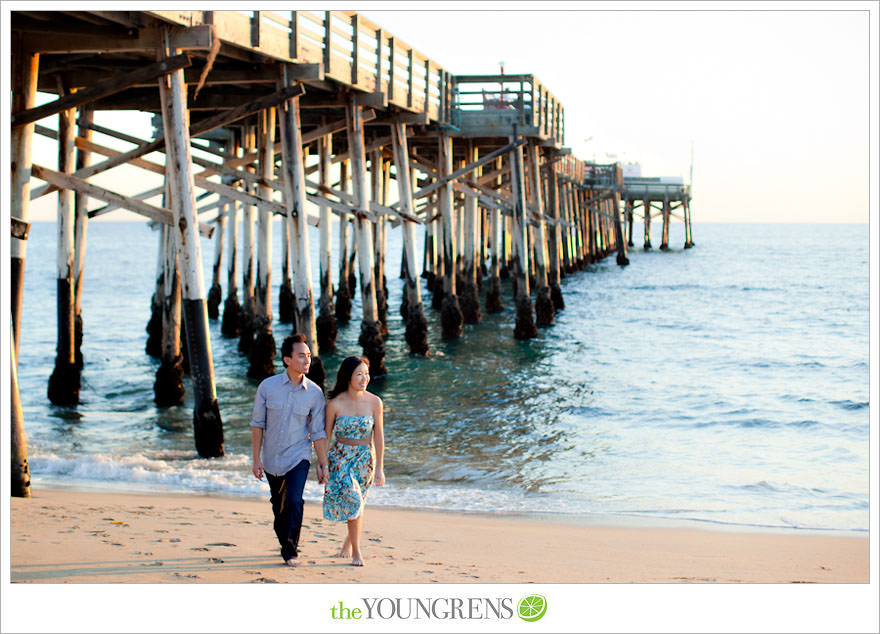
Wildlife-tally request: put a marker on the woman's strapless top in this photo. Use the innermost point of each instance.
(354, 427)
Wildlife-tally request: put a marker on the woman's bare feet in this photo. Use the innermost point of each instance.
(345, 550)
(357, 560)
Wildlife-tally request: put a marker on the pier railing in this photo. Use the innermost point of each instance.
(489, 102)
(351, 49)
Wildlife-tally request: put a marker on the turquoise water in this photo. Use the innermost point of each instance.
(726, 383)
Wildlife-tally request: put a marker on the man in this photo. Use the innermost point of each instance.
(288, 418)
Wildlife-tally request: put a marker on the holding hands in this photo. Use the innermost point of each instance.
(322, 472)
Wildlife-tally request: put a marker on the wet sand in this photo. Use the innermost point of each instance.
(63, 536)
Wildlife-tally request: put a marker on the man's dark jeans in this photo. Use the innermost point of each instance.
(287, 505)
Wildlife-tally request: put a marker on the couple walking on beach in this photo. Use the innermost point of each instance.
(291, 415)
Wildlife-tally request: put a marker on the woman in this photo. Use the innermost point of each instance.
(356, 457)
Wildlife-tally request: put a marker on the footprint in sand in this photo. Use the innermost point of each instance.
(253, 572)
(264, 580)
(221, 544)
(180, 574)
(215, 560)
(199, 548)
(153, 563)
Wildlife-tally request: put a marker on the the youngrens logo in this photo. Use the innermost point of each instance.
(530, 608)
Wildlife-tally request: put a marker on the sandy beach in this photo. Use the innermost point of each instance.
(64, 536)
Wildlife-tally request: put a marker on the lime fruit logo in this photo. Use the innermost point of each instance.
(532, 607)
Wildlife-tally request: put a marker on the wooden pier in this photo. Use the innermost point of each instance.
(298, 106)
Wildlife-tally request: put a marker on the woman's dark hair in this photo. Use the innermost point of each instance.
(343, 376)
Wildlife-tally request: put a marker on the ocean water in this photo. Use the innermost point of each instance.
(726, 384)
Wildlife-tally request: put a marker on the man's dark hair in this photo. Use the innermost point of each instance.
(287, 345)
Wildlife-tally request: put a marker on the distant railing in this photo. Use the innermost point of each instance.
(535, 105)
(353, 51)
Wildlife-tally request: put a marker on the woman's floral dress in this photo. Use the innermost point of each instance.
(351, 470)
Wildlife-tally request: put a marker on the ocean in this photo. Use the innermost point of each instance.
(725, 385)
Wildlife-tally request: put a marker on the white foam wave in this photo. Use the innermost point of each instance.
(231, 475)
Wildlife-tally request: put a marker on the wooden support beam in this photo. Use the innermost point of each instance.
(207, 422)
(543, 303)
(201, 127)
(376, 99)
(64, 383)
(201, 181)
(94, 93)
(293, 164)
(24, 76)
(413, 313)
(371, 338)
(525, 321)
(325, 323)
(199, 37)
(145, 195)
(225, 118)
(468, 168)
(307, 71)
(68, 181)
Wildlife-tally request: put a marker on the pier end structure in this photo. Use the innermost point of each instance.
(666, 197)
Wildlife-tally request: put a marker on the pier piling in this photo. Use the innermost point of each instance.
(689, 241)
(664, 241)
(64, 383)
(325, 323)
(451, 318)
(496, 240)
(469, 299)
(168, 387)
(412, 311)
(378, 189)
(231, 323)
(262, 353)
(285, 290)
(247, 328)
(544, 308)
(215, 294)
(207, 424)
(80, 230)
(20, 482)
(525, 327)
(25, 65)
(343, 290)
(371, 337)
(293, 167)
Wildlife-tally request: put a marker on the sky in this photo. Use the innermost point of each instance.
(774, 104)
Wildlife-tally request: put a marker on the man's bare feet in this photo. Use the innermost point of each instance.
(290, 562)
